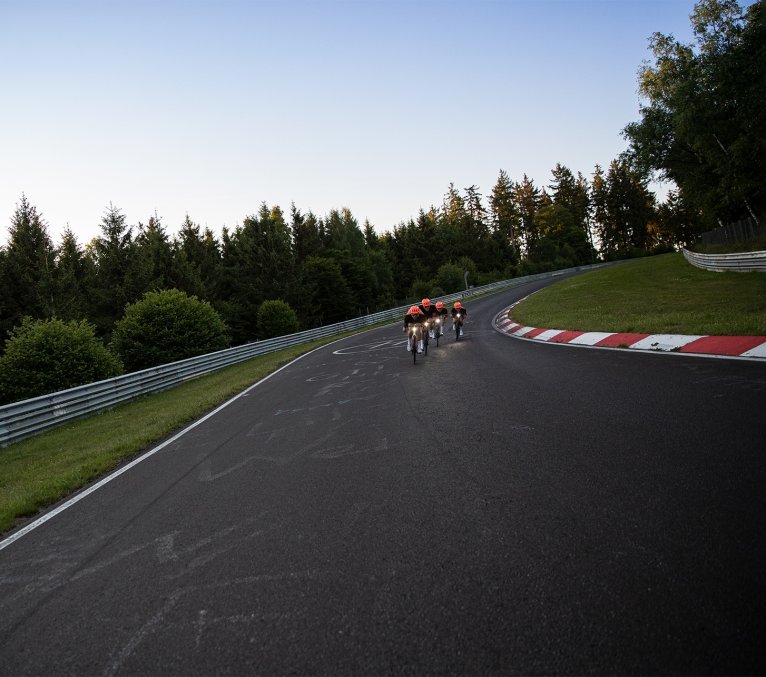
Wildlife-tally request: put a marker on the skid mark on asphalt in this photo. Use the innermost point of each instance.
(166, 550)
(143, 632)
(350, 450)
(196, 625)
(285, 444)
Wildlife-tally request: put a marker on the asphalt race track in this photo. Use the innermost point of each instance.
(502, 507)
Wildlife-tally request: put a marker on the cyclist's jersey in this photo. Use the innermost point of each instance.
(443, 312)
(459, 313)
(412, 319)
(430, 311)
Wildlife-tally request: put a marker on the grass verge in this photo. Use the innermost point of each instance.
(659, 294)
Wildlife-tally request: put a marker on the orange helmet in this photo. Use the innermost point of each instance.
(439, 305)
(414, 310)
(426, 302)
(458, 305)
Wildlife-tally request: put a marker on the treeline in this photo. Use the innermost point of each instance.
(329, 268)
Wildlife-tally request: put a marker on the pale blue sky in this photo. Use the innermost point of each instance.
(212, 107)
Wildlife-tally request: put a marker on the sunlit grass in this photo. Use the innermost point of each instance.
(660, 294)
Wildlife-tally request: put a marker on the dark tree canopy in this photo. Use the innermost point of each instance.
(703, 123)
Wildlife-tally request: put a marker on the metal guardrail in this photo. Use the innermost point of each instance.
(23, 419)
(743, 262)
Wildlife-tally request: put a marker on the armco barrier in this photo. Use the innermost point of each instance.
(29, 417)
(743, 263)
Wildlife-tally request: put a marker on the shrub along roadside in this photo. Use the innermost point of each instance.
(659, 294)
(43, 356)
(167, 326)
(276, 318)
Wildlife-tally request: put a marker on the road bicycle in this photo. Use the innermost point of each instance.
(437, 329)
(458, 326)
(412, 338)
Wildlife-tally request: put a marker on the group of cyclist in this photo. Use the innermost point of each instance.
(425, 313)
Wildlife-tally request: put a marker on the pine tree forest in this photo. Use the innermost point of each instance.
(328, 268)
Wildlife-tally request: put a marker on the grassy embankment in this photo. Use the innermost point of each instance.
(660, 294)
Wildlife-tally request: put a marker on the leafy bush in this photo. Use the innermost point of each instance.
(166, 326)
(419, 289)
(45, 356)
(450, 278)
(276, 318)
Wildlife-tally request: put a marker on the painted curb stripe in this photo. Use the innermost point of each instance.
(760, 351)
(621, 340)
(548, 334)
(726, 346)
(664, 342)
(590, 338)
(723, 345)
(566, 336)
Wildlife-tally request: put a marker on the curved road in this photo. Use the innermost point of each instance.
(501, 507)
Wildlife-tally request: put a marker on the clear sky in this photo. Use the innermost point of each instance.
(211, 107)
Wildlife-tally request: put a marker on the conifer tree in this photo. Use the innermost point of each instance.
(115, 285)
(307, 234)
(28, 271)
(624, 208)
(527, 200)
(188, 255)
(74, 278)
(153, 257)
(504, 215)
(257, 266)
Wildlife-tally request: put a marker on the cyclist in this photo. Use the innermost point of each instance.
(441, 312)
(458, 315)
(429, 311)
(414, 316)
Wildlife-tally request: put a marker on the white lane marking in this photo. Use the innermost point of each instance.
(87, 492)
